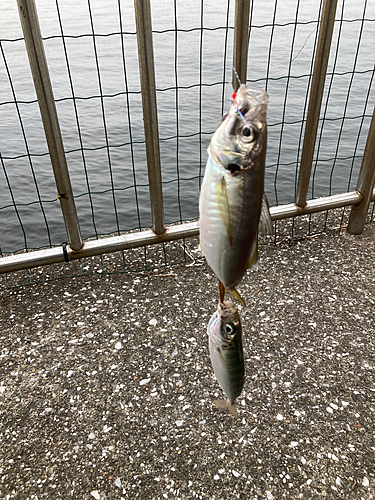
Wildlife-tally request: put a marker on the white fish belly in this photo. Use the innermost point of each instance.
(229, 371)
(227, 254)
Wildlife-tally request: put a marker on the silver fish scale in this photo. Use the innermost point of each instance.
(228, 362)
(232, 189)
(216, 334)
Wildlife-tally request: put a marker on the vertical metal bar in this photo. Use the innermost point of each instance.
(316, 95)
(365, 183)
(150, 115)
(241, 41)
(43, 87)
(128, 116)
(200, 92)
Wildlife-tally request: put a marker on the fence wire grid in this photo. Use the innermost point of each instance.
(91, 50)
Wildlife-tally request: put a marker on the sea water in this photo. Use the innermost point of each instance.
(97, 91)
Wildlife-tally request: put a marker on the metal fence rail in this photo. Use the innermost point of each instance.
(313, 61)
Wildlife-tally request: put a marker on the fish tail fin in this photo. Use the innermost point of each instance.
(236, 294)
(225, 403)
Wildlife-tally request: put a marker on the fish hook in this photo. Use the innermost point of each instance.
(234, 95)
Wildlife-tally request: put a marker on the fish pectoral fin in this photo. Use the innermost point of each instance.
(265, 222)
(224, 403)
(236, 294)
(223, 206)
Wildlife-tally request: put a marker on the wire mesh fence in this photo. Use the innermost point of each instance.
(91, 50)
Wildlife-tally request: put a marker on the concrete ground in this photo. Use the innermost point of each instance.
(107, 388)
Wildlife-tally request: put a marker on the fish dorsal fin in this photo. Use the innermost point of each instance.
(224, 208)
(265, 221)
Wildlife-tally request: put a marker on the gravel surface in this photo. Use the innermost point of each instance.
(107, 388)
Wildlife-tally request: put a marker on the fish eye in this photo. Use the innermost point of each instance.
(251, 132)
(230, 328)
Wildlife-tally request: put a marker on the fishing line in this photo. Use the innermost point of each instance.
(303, 46)
(236, 74)
(234, 95)
(243, 118)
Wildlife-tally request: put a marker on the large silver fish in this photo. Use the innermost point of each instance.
(225, 342)
(231, 196)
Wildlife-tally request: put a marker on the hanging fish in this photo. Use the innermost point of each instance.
(231, 198)
(225, 342)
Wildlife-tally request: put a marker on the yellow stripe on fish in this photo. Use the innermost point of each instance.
(224, 207)
(232, 199)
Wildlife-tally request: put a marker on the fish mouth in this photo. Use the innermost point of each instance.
(227, 309)
(250, 98)
(241, 135)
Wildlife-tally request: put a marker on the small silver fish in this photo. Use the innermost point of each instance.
(225, 342)
(231, 198)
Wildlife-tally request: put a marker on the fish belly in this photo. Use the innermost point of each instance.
(228, 366)
(228, 240)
